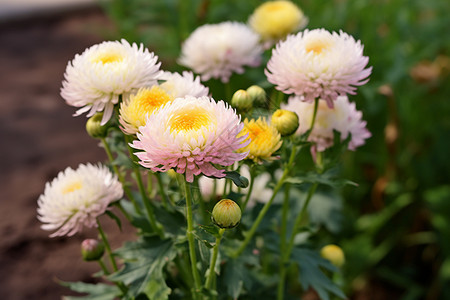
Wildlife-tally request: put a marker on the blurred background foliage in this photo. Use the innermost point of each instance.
(395, 226)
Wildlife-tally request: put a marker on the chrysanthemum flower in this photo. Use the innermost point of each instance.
(191, 135)
(274, 20)
(95, 79)
(75, 198)
(343, 118)
(318, 64)
(135, 108)
(264, 139)
(182, 85)
(218, 50)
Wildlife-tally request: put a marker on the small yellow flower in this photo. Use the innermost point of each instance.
(334, 254)
(274, 20)
(133, 111)
(264, 139)
(285, 121)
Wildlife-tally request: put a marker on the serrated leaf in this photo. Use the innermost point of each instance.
(115, 218)
(233, 276)
(311, 275)
(144, 262)
(99, 291)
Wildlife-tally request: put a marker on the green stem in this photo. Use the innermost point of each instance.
(190, 236)
(103, 266)
(313, 121)
(228, 94)
(149, 184)
(161, 189)
(265, 208)
(107, 246)
(120, 176)
(250, 189)
(298, 221)
(285, 209)
(212, 265)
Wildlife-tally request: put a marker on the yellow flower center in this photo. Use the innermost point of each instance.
(107, 58)
(317, 46)
(258, 134)
(192, 119)
(71, 187)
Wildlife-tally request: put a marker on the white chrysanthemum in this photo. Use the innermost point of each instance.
(318, 64)
(95, 79)
(75, 198)
(191, 135)
(182, 85)
(218, 50)
(343, 118)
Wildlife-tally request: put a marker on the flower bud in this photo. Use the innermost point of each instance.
(334, 254)
(226, 214)
(285, 121)
(92, 249)
(242, 101)
(257, 94)
(93, 127)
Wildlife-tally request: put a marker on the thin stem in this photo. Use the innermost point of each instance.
(228, 92)
(224, 193)
(298, 220)
(265, 208)
(313, 121)
(212, 265)
(161, 189)
(149, 183)
(190, 236)
(107, 246)
(103, 266)
(250, 189)
(120, 176)
(285, 209)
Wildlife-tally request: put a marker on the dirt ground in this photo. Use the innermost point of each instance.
(39, 138)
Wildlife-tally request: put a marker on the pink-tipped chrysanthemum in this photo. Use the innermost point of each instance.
(343, 117)
(218, 50)
(75, 198)
(318, 64)
(95, 79)
(191, 135)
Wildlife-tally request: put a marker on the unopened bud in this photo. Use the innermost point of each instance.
(93, 127)
(92, 249)
(285, 121)
(242, 101)
(226, 214)
(334, 254)
(257, 94)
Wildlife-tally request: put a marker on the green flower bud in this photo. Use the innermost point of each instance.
(242, 101)
(226, 214)
(93, 127)
(257, 94)
(92, 249)
(334, 254)
(285, 121)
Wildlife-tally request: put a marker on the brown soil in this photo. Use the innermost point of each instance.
(39, 138)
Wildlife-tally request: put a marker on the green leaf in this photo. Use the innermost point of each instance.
(233, 276)
(99, 291)
(144, 263)
(238, 179)
(115, 218)
(311, 275)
